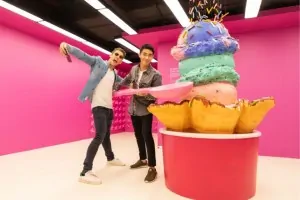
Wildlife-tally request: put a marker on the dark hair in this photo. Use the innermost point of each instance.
(147, 46)
(120, 49)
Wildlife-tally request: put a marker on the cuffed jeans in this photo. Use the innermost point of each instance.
(102, 119)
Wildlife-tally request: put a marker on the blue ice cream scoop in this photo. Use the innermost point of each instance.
(205, 30)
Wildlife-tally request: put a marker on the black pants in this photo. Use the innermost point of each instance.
(143, 132)
(102, 119)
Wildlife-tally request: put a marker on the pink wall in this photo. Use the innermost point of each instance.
(47, 108)
(268, 63)
(260, 62)
(46, 115)
(39, 105)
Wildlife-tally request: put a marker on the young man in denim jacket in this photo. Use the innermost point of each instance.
(98, 90)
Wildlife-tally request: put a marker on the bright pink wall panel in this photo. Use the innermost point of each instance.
(39, 105)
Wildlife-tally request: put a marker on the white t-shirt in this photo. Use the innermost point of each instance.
(140, 76)
(102, 95)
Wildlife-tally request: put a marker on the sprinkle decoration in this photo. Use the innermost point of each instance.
(202, 10)
(209, 32)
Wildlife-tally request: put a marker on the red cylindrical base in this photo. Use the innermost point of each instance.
(211, 166)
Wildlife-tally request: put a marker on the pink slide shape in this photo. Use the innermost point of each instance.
(170, 91)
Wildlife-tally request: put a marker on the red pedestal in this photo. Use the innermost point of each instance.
(211, 166)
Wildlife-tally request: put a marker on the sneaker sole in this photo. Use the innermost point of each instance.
(144, 166)
(89, 182)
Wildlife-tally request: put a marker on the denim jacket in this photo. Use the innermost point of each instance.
(99, 68)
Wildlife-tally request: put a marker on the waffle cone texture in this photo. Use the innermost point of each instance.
(199, 115)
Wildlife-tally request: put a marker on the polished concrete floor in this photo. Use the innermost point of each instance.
(51, 174)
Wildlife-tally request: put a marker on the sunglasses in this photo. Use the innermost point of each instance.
(119, 55)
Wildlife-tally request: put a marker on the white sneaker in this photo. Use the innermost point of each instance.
(90, 178)
(116, 162)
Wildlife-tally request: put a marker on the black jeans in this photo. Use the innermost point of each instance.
(143, 132)
(102, 119)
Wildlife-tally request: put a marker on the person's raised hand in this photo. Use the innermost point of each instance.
(63, 49)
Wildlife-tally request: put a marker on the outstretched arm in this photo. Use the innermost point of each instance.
(119, 79)
(123, 81)
(81, 55)
(127, 80)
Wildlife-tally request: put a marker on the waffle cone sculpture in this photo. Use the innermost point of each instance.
(253, 113)
(205, 51)
(200, 115)
(212, 117)
(174, 116)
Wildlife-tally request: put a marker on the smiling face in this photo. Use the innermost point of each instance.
(146, 55)
(116, 57)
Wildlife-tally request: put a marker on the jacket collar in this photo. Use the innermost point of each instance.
(149, 69)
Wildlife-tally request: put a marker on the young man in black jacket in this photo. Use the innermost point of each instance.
(143, 75)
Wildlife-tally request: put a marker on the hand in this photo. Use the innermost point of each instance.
(142, 94)
(63, 49)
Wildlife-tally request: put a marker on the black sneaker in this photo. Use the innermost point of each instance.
(151, 175)
(139, 164)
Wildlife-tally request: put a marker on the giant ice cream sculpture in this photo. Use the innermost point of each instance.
(205, 53)
(210, 142)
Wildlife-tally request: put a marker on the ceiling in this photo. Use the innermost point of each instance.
(80, 18)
